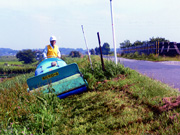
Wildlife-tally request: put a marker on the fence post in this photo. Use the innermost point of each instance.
(102, 62)
(158, 48)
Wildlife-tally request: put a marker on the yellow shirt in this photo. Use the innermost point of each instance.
(52, 52)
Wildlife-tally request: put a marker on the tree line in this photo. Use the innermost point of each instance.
(105, 51)
(29, 56)
(127, 43)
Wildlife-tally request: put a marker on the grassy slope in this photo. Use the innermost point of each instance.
(123, 102)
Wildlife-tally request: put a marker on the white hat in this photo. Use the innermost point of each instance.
(52, 38)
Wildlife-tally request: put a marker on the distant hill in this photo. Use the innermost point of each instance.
(7, 52)
(64, 51)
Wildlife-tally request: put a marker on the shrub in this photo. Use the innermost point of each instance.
(136, 55)
(75, 54)
(97, 74)
(152, 56)
(130, 55)
(28, 56)
(143, 55)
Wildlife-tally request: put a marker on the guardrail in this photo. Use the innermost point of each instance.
(159, 48)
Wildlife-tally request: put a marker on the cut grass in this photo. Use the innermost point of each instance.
(117, 108)
(119, 101)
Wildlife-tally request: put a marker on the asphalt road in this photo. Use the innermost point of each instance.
(167, 72)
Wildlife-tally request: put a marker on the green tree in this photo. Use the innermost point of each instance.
(160, 39)
(28, 56)
(92, 52)
(126, 43)
(106, 49)
(97, 50)
(75, 54)
(138, 43)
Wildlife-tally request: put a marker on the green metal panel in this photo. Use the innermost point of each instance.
(53, 76)
(63, 85)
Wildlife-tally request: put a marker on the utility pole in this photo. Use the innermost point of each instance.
(87, 47)
(113, 31)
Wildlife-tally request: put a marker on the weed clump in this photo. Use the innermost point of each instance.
(97, 74)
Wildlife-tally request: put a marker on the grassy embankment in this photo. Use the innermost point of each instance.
(119, 101)
(151, 57)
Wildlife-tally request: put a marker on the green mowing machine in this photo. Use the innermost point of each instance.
(55, 74)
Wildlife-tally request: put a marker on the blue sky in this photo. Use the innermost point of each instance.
(29, 23)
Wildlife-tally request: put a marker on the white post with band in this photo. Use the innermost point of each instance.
(87, 47)
(113, 31)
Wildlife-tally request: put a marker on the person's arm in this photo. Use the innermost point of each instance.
(45, 53)
(59, 54)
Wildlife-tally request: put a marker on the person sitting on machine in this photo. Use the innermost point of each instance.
(52, 49)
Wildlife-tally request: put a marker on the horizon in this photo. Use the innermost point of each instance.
(84, 49)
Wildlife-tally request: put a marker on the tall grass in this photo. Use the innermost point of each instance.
(20, 80)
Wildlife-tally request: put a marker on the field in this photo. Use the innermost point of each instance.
(11, 62)
(10, 67)
(118, 101)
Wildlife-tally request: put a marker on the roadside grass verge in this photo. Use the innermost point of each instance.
(119, 101)
(151, 57)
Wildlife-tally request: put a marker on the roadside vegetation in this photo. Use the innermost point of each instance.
(151, 57)
(118, 101)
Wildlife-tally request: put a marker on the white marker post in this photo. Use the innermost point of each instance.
(113, 31)
(87, 46)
